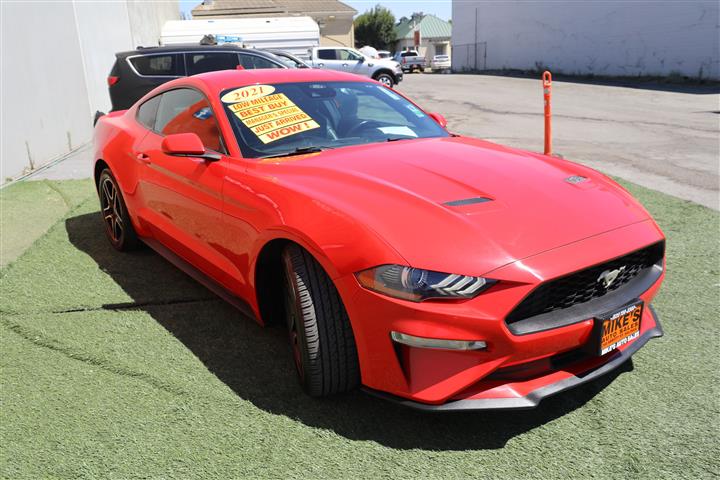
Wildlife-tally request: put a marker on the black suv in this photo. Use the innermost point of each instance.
(137, 72)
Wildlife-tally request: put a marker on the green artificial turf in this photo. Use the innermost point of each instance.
(119, 366)
(29, 209)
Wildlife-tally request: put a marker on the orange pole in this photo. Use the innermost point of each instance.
(547, 93)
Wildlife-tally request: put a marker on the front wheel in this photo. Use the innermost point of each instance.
(386, 79)
(321, 338)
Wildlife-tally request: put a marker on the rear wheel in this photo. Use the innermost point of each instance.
(386, 79)
(118, 227)
(321, 338)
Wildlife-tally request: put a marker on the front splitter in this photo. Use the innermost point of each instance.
(532, 399)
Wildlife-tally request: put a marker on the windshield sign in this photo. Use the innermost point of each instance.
(293, 118)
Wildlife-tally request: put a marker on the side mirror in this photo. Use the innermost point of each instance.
(439, 119)
(362, 60)
(187, 145)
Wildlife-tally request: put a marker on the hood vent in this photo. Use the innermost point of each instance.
(467, 201)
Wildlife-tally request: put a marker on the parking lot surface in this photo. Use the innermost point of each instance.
(664, 140)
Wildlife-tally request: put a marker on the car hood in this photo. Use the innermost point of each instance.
(463, 205)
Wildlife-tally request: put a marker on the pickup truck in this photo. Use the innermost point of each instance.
(384, 70)
(410, 60)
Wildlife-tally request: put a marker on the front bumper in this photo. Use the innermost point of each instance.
(532, 399)
(437, 379)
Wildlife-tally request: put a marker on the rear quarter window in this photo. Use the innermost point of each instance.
(170, 65)
(147, 112)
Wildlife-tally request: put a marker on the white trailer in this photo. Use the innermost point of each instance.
(293, 34)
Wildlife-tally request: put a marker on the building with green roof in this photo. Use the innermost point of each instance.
(428, 34)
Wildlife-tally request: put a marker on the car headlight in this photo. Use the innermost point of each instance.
(415, 284)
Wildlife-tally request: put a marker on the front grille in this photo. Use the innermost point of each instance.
(582, 286)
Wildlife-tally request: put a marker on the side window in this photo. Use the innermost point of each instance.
(210, 62)
(251, 62)
(147, 111)
(170, 65)
(327, 54)
(348, 55)
(187, 111)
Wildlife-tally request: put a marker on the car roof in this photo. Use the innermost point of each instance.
(224, 79)
(187, 47)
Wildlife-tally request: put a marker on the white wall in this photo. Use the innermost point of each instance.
(147, 18)
(44, 95)
(55, 59)
(589, 37)
(103, 29)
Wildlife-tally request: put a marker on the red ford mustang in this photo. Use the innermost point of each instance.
(440, 271)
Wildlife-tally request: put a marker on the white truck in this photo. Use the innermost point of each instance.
(294, 35)
(385, 71)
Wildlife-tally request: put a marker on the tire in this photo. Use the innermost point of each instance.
(386, 79)
(320, 334)
(118, 227)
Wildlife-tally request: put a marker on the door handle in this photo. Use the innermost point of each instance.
(345, 64)
(321, 64)
(143, 157)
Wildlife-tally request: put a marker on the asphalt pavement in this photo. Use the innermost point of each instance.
(662, 137)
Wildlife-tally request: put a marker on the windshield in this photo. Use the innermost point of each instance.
(271, 120)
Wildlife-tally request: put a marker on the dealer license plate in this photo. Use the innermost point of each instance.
(619, 327)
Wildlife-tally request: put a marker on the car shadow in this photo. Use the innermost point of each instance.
(256, 363)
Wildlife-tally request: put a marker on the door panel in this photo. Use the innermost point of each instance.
(183, 195)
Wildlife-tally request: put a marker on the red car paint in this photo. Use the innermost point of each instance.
(362, 206)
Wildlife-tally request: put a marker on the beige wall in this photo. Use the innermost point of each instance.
(336, 32)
